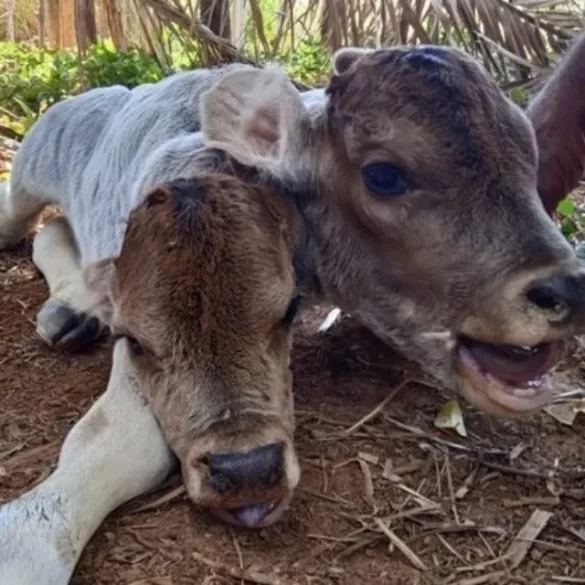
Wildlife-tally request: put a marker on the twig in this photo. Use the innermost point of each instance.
(451, 491)
(400, 545)
(532, 501)
(455, 528)
(481, 579)
(444, 542)
(160, 501)
(243, 574)
(238, 549)
(378, 408)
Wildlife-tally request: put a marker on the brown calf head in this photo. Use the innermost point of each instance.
(204, 290)
(423, 210)
(558, 116)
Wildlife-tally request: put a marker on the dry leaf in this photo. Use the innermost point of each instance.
(566, 412)
(450, 417)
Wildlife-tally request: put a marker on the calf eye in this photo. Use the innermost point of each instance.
(292, 311)
(385, 179)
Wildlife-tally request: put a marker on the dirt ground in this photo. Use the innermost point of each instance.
(450, 505)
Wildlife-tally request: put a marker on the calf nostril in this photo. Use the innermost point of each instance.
(259, 468)
(547, 298)
(560, 297)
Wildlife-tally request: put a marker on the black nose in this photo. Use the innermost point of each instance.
(561, 297)
(262, 467)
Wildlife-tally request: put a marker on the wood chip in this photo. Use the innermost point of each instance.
(369, 458)
(368, 483)
(524, 539)
(389, 473)
(401, 546)
(463, 490)
(517, 451)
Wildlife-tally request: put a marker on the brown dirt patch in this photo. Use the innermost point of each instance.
(330, 535)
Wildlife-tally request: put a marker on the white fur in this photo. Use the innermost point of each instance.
(113, 454)
(96, 154)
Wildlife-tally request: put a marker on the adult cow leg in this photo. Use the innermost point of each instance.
(116, 452)
(65, 320)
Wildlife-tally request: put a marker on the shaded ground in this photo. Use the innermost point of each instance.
(454, 505)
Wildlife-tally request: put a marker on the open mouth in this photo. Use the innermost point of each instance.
(257, 515)
(515, 377)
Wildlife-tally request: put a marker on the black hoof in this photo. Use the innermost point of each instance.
(61, 326)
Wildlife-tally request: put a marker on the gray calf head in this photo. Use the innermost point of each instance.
(423, 212)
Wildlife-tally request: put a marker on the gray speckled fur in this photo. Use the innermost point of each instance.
(95, 154)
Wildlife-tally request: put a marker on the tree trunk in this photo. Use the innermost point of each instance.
(114, 19)
(332, 19)
(42, 23)
(9, 5)
(215, 14)
(85, 25)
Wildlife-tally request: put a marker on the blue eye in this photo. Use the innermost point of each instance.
(385, 179)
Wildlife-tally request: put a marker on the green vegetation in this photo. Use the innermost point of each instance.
(32, 79)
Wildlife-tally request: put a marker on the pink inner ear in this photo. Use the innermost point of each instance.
(262, 133)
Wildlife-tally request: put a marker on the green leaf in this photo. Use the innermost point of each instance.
(566, 207)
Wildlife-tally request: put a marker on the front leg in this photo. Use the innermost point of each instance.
(116, 452)
(65, 320)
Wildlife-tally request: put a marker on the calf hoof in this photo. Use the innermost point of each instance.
(58, 325)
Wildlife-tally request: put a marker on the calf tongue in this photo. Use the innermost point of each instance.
(251, 515)
(512, 365)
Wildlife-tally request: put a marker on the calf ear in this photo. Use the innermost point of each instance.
(557, 114)
(343, 59)
(99, 280)
(257, 116)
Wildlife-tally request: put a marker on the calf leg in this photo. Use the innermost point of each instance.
(19, 211)
(116, 452)
(65, 319)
